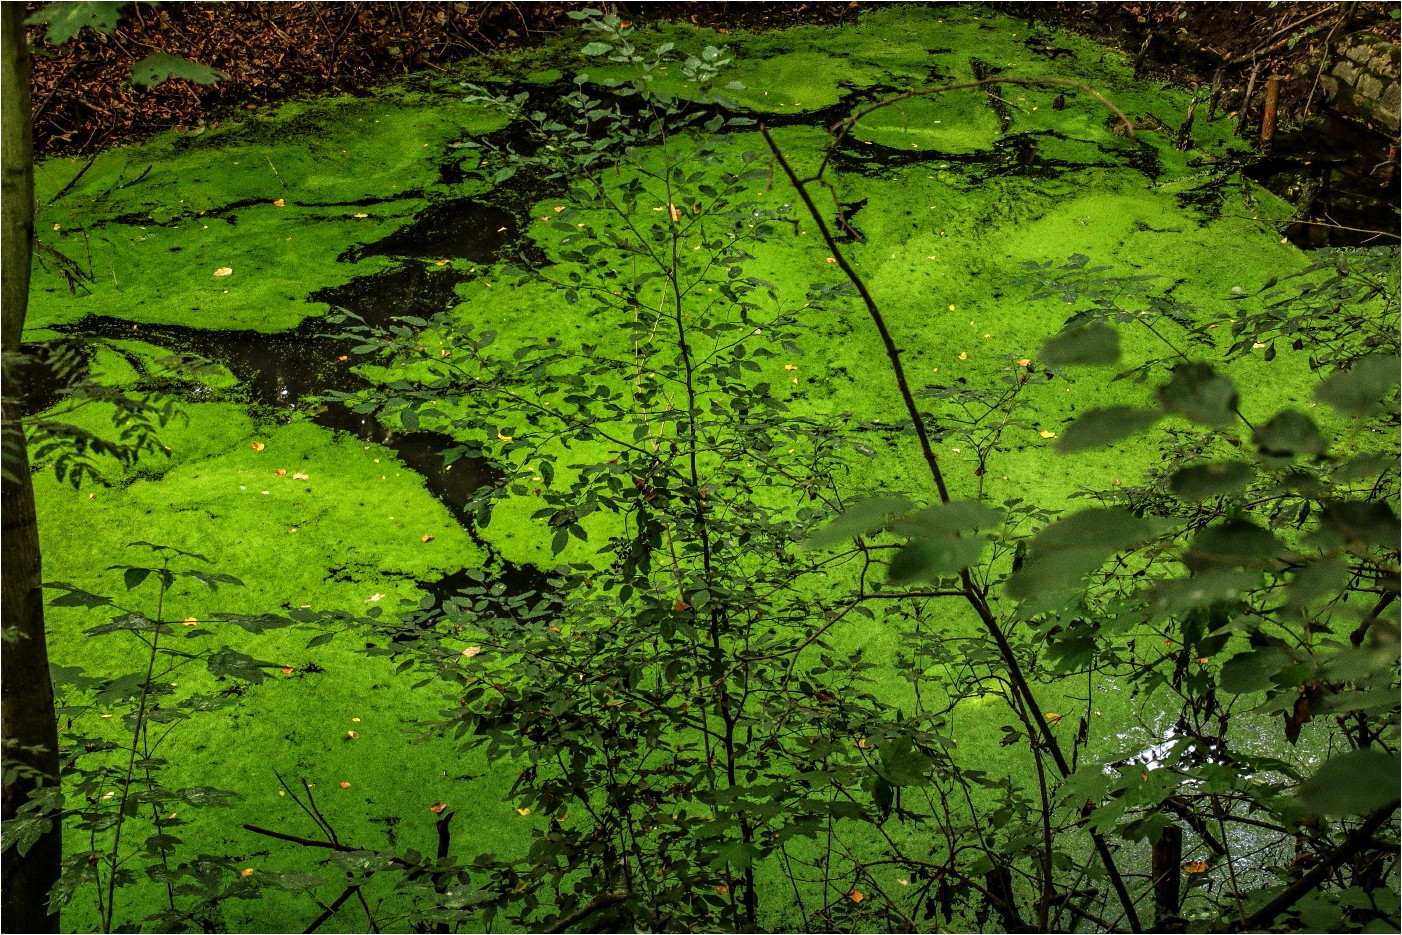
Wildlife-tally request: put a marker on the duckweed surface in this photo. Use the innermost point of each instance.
(258, 227)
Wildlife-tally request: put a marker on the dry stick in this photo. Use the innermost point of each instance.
(332, 909)
(1268, 112)
(579, 915)
(1246, 98)
(1358, 839)
(970, 591)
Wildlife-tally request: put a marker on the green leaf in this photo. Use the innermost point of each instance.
(1198, 392)
(65, 19)
(292, 882)
(902, 764)
(1071, 548)
(1353, 783)
(932, 559)
(860, 519)
(1201, 481)
(596, 48)
(948, 518)
(1360, 390)
(1356, 524)
(1105, 426)
(23, 832)
(1094, 344)
(203, 796)
(1233, 544)
(1254, 670)
(1289, 433)
(133, 577)
(156, 68)
(254, 623)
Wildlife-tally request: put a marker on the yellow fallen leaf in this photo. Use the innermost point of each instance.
(437, 807)
(280, 203)
(558, 208)
(224, 271)
(299, 476)
(352, 735)
(441, 262)
(190, 622)
(246, 872)
(676, 213)
(963, 355)
(1024, 362)
(345, 785)
(1045, 434)
(1051, 717)
(425, 538)
(471, 651)
(523, 811)
(790, 367)
(504, 438)
(360, 216)
(257, 446)
(355, 720)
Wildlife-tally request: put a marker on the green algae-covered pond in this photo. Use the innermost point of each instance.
(235, 244)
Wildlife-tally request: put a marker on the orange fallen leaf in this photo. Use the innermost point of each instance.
(1024, 362)
(345, 785)
(831, 259)
(680, 605)
(287, 670)
(224, 271)
(438, 807)
(1195, 866)
(426, 538)
(281, 472)
(246, 872)
(856, 896)
(1051, 717)
(280, 203)
(722, 889)
(257, 446)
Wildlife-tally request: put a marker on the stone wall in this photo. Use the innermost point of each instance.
(1363, 80)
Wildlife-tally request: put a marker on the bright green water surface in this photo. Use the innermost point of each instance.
(281, 198)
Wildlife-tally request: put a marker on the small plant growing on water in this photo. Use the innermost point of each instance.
(115, 729)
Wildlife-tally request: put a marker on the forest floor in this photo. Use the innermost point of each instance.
(270, 52)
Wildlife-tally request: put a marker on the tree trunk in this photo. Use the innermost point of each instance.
(27, 721)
